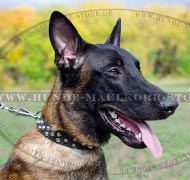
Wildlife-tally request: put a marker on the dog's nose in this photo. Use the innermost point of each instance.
(168, 104)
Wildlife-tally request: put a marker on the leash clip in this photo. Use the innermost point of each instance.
(20, 112)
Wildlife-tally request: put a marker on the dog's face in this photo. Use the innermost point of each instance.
(113, 92)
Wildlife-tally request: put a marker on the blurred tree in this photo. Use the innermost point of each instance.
(166, 40)
(12, 22)
(15, 20)
(162, 47)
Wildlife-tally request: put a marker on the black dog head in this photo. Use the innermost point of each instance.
(114, 95)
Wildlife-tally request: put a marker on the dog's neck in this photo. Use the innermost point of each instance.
(63, 117)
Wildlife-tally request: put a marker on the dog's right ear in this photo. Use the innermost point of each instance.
(66, 41)
(114, 37)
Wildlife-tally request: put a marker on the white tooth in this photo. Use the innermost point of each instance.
(117, 121)
(139, 140)
(138, 137)
(129, 129)
(113, 114)
(109, 112)
(122, 125)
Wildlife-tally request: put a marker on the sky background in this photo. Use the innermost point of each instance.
(126, 3)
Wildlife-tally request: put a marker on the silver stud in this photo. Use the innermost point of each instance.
(43, 127)
(46, 133)
(89, 147)
(57, 140)
(58, 134)
(41, 121)
(48, 128)
(38, 122)
(39, 127)
(73, 145)
(75, 139)
(52, 134)
(65, 140)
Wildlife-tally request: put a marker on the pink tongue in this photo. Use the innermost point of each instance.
(150, 139)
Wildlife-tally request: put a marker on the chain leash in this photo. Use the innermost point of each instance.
(20, 112)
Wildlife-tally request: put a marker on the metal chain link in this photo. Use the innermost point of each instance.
(20, 112)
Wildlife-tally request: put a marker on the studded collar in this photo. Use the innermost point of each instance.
(58, 136)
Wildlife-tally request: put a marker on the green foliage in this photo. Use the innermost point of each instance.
(162, 47)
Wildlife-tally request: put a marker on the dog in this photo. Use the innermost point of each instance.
(96, 93)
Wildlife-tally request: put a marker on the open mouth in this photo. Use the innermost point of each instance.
(134, 133)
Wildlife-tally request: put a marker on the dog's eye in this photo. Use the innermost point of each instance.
(114, 71)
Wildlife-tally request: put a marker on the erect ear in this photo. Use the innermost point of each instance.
(66, 41)
(114, 37)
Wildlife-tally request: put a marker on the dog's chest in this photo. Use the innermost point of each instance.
(64, 163)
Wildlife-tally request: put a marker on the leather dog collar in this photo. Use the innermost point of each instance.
(58, 136)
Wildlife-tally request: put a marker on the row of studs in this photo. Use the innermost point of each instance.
(41, 126)
(52, 134)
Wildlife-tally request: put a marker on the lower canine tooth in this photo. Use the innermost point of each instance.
(138, 137)
(129, 129)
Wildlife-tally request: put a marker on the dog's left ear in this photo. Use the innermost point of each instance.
(66, 41)
(114, 37)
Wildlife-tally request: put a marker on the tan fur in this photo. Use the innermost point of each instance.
(45, 159)
(36, 157)
(50, 114)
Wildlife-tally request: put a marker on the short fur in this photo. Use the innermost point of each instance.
(84, 69)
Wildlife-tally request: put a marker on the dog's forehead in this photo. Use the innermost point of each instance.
(103, 55)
